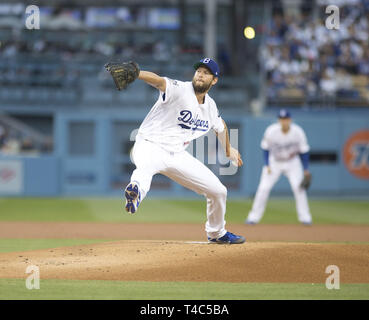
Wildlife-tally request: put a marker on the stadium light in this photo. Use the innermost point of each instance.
(249, 33)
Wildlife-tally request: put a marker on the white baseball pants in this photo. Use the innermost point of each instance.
(293, 170)
(186, 170)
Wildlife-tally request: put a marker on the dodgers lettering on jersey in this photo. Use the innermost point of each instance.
(177, 118)
(188, 122)
(284, 146)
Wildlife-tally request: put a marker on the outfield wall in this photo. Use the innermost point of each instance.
(91, 156)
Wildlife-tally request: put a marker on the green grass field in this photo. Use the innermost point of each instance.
(140, 290)
(279, 211)
(13, 245)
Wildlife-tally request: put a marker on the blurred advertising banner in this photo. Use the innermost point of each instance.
(356, 154)
(11, 177)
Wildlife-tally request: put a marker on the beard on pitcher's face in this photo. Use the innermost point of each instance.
(200, 85)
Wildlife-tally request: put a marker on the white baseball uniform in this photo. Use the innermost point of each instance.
(175, 120)
(284, 150)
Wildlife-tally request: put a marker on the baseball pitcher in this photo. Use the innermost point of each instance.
(285, 151)
(183, 112)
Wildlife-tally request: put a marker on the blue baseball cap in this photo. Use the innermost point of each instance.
(284, 114)
(208, 63)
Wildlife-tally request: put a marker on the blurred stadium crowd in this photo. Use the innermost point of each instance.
(306, 60)
(301, 62)
(62, 63)
(14, 142)
(11, 144)
(98, 37)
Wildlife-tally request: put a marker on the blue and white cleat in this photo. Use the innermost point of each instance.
(250, 222)
(133, 198)
(228, 238)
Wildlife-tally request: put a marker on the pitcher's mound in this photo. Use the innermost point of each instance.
(194, 261)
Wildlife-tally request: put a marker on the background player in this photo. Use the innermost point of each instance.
(183, 112)
(284, 144)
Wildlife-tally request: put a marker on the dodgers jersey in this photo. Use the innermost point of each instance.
(177, 118)
(284, 146)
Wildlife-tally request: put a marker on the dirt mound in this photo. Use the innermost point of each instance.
(194, 261)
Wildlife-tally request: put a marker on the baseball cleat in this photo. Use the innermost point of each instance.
(250, 222)
(133, 198)
(228, 238)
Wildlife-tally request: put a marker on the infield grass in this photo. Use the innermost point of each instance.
(13, 245)
(14, 289)
(278, 211)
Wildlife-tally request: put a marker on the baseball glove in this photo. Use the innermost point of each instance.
(123, 73)
(306, 181)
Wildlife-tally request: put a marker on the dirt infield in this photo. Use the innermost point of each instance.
(195, 232)
(193, 261)
(183, 255)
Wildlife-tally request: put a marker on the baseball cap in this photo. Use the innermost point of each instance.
(283, 114)
(210, 64)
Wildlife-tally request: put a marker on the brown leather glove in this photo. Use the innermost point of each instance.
(123, 73)
(306, 181)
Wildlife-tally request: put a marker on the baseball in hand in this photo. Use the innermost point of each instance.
(234, 162)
